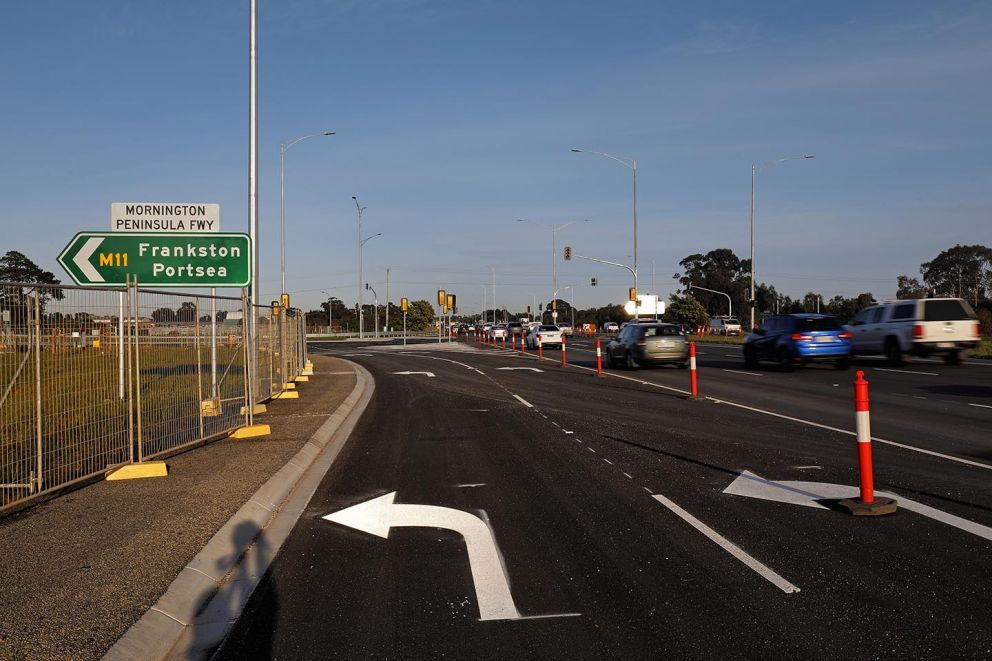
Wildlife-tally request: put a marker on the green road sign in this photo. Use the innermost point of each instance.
(105, 259)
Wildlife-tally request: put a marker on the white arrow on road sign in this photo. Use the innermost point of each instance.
(532, 369)
(492, 589)
(808, 494)
(429, 374)
(82, 259)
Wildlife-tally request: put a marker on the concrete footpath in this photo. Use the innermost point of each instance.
(81, 569)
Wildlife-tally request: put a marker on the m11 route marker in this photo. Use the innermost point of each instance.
(492, 589)
(105, 259)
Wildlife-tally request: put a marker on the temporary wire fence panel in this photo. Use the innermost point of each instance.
(92, 378)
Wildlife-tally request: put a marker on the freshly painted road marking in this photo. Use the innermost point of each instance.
(883, 369)
(808, 494)
(429, 375)
(532, 369)
(981, 406)
(740, 372)
(904, 446)
(763, 570)
(492, 587)
(523, 401)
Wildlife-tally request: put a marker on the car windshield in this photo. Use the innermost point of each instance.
(549, 328)
(733, 321)
(817, 324)
(949, 310)
(652, 331)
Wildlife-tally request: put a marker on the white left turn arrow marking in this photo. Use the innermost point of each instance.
(492, 589)
(808, 494)
(429, 374)
(82, 259)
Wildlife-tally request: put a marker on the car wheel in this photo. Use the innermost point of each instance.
(631, 363)
(952, 358)
(892, 352)
(612, 364)
(683, 366)
(785, 360)
(843, 363)
(750, 362)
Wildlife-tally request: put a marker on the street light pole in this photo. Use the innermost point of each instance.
(376, 304)
(755, 168)
(632, 164)
(361, 312)
(283, 148)
(554, 262)
(330, 313)
(494, 296)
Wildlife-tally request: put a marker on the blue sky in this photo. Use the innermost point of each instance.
(455, 118)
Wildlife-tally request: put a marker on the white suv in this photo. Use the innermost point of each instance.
(725, 326)
(923, 327)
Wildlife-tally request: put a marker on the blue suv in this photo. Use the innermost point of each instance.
(791, 339)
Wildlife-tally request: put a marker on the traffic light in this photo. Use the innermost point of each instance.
(593, 282)
(451, 301)
(285, 301)
(568, 253)
(528, 309)
(441, 297)
(404, 304)
(275, 308)
(554, 305)
(632, 293)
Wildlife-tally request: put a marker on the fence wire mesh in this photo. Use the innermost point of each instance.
(91, 378)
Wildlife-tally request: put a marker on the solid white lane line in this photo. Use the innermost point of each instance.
(764, 571)
(913, 448)
(740, 372)
(981, 406)
(882, 369)
(523, 401)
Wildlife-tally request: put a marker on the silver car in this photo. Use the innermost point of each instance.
(648, 344)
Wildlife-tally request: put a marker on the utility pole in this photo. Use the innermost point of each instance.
(386, 324)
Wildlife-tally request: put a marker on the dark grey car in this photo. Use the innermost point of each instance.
(648, 344)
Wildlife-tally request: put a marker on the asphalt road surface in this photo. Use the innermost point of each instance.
(515, 513)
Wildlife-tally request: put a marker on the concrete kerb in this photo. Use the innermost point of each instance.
(202, 605)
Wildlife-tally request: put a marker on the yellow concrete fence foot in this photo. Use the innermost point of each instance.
(258, 408)
(251, 431)
(288, 394)
(307, 372)
(290, 386)
(302, 379)
(138, 471)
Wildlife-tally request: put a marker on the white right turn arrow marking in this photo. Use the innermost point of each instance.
(82, 259)
(492, 589)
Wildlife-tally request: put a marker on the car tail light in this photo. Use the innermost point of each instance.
(918, 331)
(799, 337)
(642, 342)
(978, 330)
(845, 335)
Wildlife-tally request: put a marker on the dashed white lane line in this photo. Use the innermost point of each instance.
(882, 369)
(981, 406)
(740, 372)
(577, 441)
(524, 401)
(590, 449)
(764, 571)
(648, 490)
(608, 461)
(730, 355)
(568, 432)
(628, 476)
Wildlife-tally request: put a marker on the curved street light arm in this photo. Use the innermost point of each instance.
(629, 162)
(286, 145)
(730, 304)
(369, 238)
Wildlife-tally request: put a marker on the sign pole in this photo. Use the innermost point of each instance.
(404, 329)
(213, 342)
(120, 346)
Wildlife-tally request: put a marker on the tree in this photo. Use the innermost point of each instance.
(15, 267)
(686, 310)
(164, 316)
(907, 288)
(961, 271)
(720, 270)
(186, 312)
(420, 315)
